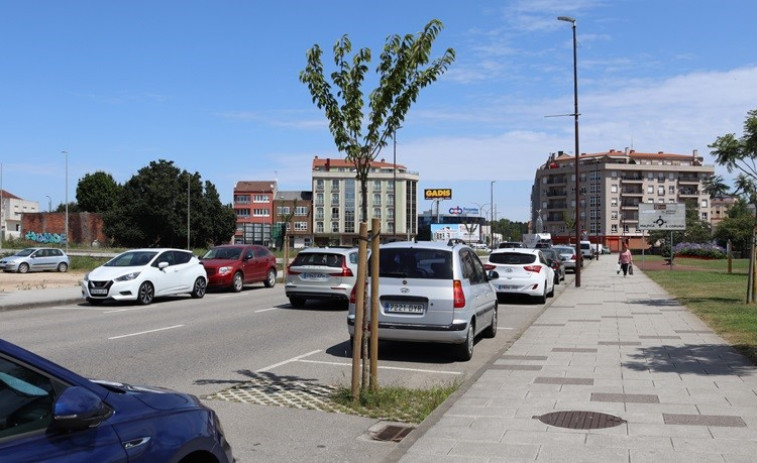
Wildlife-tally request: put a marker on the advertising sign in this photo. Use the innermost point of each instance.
(662, 216)
(437, 193)
(444, 232)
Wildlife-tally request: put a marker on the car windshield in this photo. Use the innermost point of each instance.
(565, 250)
(318, 258)
(435, 264)
(223, 253)
(132, 259)
(25, 252)
(512, 258)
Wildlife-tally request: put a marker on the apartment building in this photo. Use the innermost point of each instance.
(12, 209)
(720, 208)
(294, 210)
(611, 186)
(253, 206)
(392, 198)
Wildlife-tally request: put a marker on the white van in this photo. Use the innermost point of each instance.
(586, 251)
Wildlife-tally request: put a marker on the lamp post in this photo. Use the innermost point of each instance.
(65, 153)
(578, 153)
(491, 215)
(188, 178)
(394, 180)
(49, 203)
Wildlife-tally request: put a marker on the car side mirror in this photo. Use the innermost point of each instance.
(78, 408)
(162, 265)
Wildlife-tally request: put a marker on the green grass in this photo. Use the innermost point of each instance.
(715, 296)
(396, 403)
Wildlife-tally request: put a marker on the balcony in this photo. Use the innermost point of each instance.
(631, 178)
(688, 180)
(688, 193)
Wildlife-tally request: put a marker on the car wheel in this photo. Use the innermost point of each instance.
(270, 280)
(23, 268)
(543, 298)
(94, 301)
(491, 331)
(551, 292)
(198, 290)
(297, 301)
(237, 283)
(146, 293)
(557, 279)
(464, 351)
(62, 267)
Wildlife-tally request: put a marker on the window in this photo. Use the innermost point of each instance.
(242, 199)
(614, 228)
(28, 404)
(703, 203)
(377, 199)
(261, 213)
(614, 215)
(650, 189)
(335, 185)
(334, 227)
(319, 199)
(613, 188)
(614, 202)
(671, 190)
(319, 213)
(282, 210)
(377, 212)
(261, 199)
(704, 216)
(660, 190)
(300, 226)
(319, 227)
(334, 213)
(334, 199)
(243, 212)
(301, 211)
(319, 184)
(377, 185)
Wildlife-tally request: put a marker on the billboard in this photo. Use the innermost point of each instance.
(662, 216)
(437, 193)
(443, 232)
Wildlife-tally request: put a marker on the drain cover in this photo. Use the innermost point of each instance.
(580, 420)
(392, 433)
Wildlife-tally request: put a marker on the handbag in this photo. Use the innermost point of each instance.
(617, 269)
(630, 269)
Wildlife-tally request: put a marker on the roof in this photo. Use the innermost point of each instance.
(8, 194)
(265, 186)
(294, 195)
(324, 163)
(629, 154)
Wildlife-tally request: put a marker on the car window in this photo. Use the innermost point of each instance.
(353, 258)
(512, 258)
(260, 251)
(433, 264)
(131, 259)
(310, 258)
(181, 257)
(166, 256)
(472, 268)
(25, 252)
(26, 399)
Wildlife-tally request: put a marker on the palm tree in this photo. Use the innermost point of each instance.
(715, 186)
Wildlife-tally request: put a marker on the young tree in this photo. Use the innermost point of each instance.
(97, 192)
(405, 67)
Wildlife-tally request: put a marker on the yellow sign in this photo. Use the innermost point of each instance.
(438, 193)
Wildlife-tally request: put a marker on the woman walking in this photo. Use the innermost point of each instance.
(625, 260)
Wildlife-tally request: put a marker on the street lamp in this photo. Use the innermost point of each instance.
(575, 119)
(491, 215)
(65, 153)
(49, 203)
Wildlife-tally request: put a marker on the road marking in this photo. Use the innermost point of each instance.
(266, 310)
(293, 359)
(504, 328)
(145, 332)
(417, 370)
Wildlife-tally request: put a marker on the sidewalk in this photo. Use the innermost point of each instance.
(616, 352)
(13, 300)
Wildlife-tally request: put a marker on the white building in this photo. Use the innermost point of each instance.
(11, 209)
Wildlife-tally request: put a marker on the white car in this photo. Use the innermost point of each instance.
(522, 271)
(143, 274)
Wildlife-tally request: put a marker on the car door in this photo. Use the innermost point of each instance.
(167, 279)
(257, 263)
(482, 294)
(185, 270)
(39, 260)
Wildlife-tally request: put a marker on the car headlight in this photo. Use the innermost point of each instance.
(224, 270)
(128, 276)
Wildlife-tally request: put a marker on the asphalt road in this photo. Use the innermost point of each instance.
(208, 345)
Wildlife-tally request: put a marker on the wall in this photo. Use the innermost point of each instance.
(83, 227)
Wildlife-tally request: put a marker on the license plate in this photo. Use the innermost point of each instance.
(405, 307)
(506, 287)
(98, 291)
(315, 276)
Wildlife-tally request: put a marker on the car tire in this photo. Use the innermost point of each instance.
(63, 267)
(199, 288)
(23, 268)
(146, 293)
(551, 293)
(491, 331)
(543, 298)
(297, 301)
(270, 279)
(464, 351)
(237, 282)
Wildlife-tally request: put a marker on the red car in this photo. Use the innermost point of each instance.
(231, 266)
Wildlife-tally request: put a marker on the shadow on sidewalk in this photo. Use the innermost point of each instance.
(693, 359)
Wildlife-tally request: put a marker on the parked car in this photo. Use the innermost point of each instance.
(432, 292)
(522, 271)
(231, 266)
(586, 249)
(321, 274)
(143, 274)
(556, 262)
(36, 260)
(604, 249)
(49, 413)
(569, 256)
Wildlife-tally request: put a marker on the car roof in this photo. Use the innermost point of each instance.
(155, 250)
(423, 245)
(518, 250)
(343, 250)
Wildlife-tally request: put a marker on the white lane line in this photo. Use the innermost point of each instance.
(293, 359)
(504, 328)
(130, 309)
(417, 370)
(266, 310)
(146, 332)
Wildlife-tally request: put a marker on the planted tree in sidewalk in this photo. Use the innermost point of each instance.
(740, 154)
(405, 67)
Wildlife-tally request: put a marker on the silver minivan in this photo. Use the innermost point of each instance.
(432, 292)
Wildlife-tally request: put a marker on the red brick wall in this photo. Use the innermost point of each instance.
(83, 227)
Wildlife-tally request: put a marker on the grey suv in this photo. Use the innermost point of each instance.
(36, 260)
(321, 274)
(432, 292)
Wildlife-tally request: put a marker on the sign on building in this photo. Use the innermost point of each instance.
(437, 193)
(662, 216)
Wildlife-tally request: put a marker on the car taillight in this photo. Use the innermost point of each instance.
(291, 272)
(458, 296)
(353, 295)
(573, 257)
(532, 268)
(489, 267)
(346, 272)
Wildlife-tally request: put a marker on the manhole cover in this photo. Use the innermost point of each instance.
(580, 420)
(392, 433)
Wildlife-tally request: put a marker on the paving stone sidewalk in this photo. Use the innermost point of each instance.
(613, 371)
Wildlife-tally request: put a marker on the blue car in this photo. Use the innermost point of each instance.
(50, 414)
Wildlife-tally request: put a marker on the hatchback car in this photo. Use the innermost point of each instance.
(431, 292)
(143, 274)
(232, 266)
(49, 413)
(569, 256)
(321, 274)
(522, 271)
(557, 263)
(36, 260)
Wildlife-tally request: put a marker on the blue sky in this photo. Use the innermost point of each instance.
(213, 86)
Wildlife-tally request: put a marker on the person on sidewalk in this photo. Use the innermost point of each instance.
(625, 260)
